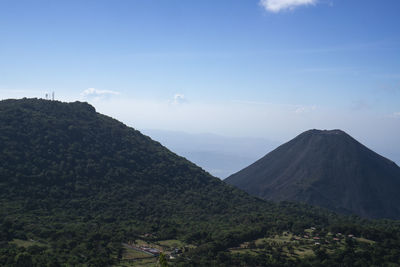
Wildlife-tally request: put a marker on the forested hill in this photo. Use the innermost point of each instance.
(75, 184)
(328, 169)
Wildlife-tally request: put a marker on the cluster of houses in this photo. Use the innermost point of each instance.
(317, 240)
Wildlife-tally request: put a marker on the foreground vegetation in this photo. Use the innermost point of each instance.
(75, 186)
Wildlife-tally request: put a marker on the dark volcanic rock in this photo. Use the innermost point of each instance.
(328, 169)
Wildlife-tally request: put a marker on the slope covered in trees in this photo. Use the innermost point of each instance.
(328, 169)
(76, 184)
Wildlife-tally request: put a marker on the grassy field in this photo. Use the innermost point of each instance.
(146, 263)
(133, 257)
(304, 252)
(172, 243)
(150, 262)
(134, 254)
(285, 237)
(360, 239)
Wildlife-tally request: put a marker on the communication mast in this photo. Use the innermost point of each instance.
(52, 96)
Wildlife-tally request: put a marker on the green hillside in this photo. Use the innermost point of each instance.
(75, 186)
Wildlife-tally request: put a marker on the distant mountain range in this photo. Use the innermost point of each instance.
(219, 155)
(328, 169)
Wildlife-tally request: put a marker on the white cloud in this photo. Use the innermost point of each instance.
(97, 94)
(178, 99)
(280, 5)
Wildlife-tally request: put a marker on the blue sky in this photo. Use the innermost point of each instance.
(269, 68)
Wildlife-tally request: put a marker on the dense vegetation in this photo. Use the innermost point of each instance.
(75, 184)
(329, 169)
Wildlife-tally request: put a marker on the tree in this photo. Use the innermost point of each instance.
(23, 259)
(162, 260)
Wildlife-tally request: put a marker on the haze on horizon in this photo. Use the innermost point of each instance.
(269, 68)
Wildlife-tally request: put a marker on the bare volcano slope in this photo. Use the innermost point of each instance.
(328, 169)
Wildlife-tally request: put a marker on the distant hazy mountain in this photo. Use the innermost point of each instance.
(219, 155)
(328, 169)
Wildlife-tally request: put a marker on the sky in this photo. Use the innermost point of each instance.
(256, 68)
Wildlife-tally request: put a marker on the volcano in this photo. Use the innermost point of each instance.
(329, 169)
